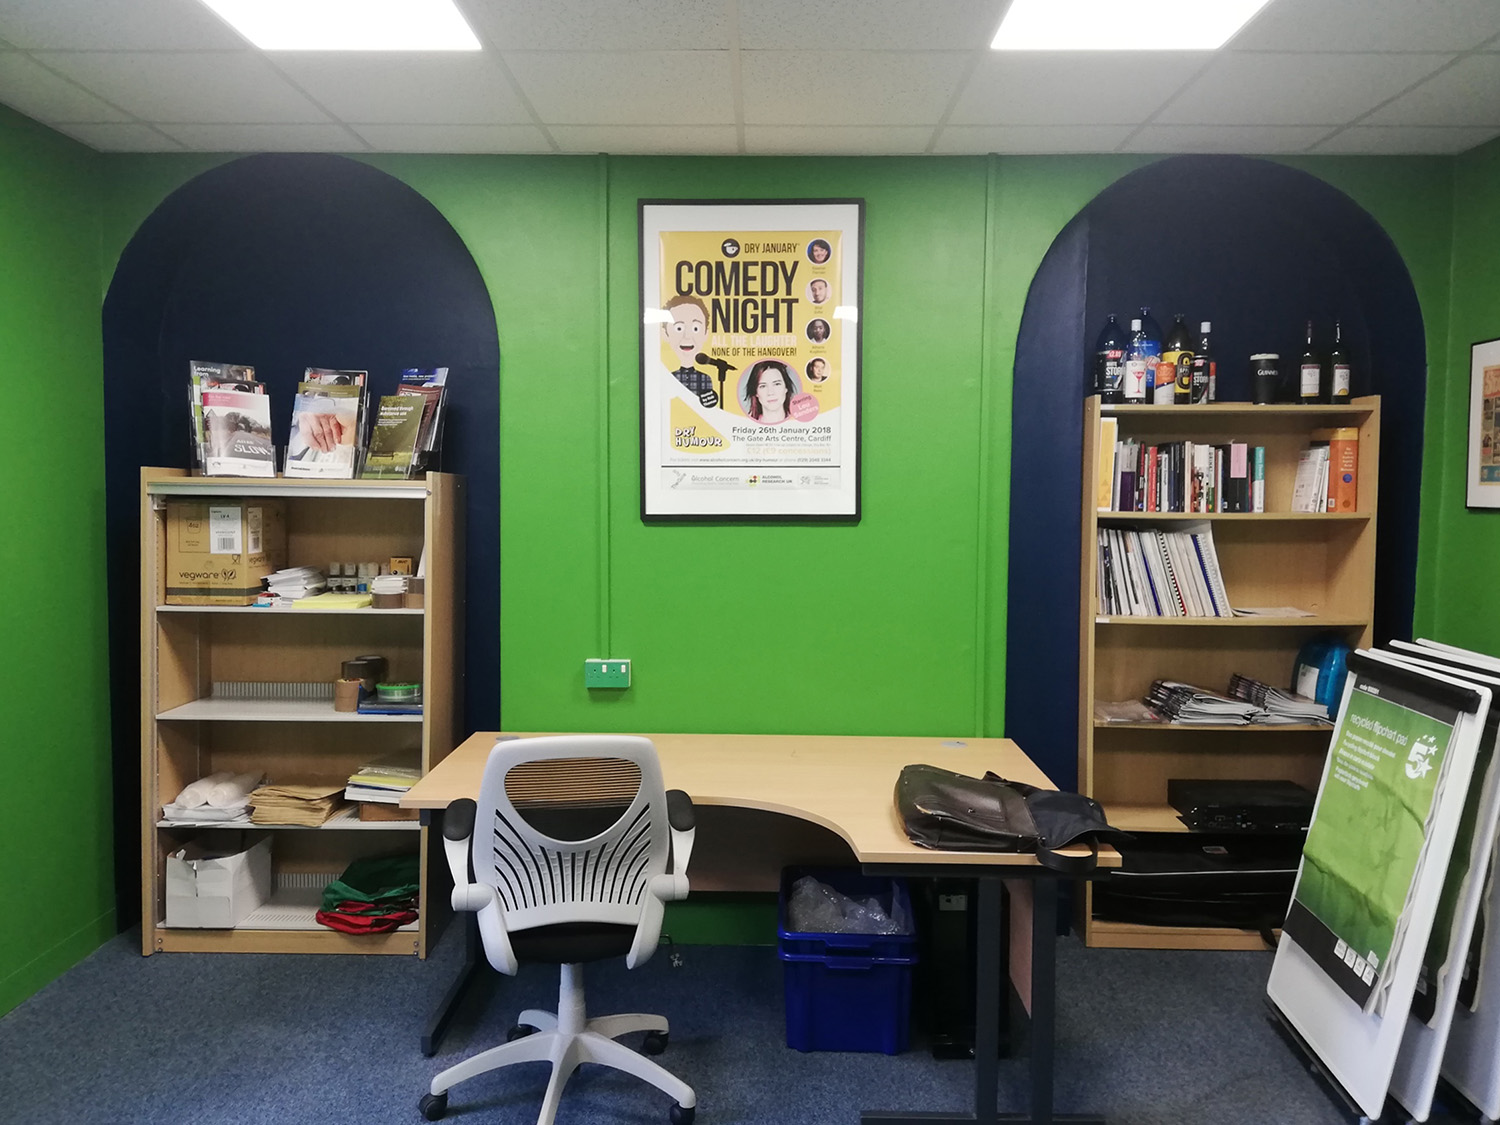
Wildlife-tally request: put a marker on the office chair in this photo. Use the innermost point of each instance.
(570, 840)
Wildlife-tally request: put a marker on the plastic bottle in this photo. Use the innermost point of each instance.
(1142, 355)
(1109, 362)
(1204, 369)
(1176, 369)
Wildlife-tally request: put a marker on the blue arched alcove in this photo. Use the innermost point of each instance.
(287, 262)
(1257, 248)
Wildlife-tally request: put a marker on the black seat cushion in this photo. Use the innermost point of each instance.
(569, 943)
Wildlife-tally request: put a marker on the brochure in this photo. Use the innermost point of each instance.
(393, 441)
(324, 438)
(201, 374)
(237, 425)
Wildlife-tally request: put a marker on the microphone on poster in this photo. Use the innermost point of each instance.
(724, 368)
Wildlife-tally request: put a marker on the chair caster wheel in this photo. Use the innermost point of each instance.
(520, 1031)
(656, 1043)
(433, 1106)
(681, 1116)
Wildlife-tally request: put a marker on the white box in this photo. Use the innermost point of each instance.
(217, 887)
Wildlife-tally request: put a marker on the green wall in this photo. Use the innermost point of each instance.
(56, 836)
(1466, 602)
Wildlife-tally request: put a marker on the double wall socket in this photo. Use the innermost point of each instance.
(606, 673)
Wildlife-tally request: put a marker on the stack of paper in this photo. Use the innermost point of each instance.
(1279, 706)
(295, 582)
(1184, 703)
(385, 784)
(333, 601)
(307, 805)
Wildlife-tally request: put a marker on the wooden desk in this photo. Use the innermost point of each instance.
(847, 785)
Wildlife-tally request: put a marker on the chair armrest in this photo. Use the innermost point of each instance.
(681, 819)
(458, 827)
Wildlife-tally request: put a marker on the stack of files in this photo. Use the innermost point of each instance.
(305, 805)
(384, 784)
(1279, 706)
(285, 586)
(1184, 703)
(1159, 573)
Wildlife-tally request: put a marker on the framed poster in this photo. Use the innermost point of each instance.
(1484, 425)
(750, 359)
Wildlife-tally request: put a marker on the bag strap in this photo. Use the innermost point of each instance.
(1054, 860)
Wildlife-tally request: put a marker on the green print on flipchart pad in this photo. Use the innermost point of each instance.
(1362, 850)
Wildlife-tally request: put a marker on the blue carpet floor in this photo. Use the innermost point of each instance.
(1146, 1038)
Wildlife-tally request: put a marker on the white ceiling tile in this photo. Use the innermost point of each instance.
(265, 138)
(1370, 25)
(1225, 138)
(38, 93)
(454, 138)
(1467, 93)
(689, 141)
(848, 87)
(188, 87)
(956, 139)
(843, 140)
(116, 25)
(449, 89)
(120, 137)
(617, 88)
(851, 25)
(1293, 89)
(602, 25)
(1412, 139)
(1022, 88)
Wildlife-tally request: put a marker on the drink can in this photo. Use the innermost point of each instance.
(1265, 376)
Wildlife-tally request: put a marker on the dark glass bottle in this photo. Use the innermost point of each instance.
(1204, 381)
(1310, 371)
(1109, 362)
(1340, 373)
(1177, 354)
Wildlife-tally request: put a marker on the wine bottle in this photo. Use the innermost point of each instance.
(1141, 356)
(1310, 382)
(1109, 362)
(1177, 362)
(1203, 366)
(1340, 375)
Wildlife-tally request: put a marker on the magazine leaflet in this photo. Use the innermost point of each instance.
(333, 376)
(393, 440)
(431, 384)
(199, 372)
(324, 439)
(238, 429)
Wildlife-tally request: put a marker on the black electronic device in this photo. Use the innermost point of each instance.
(1202, 879)
(1228, 805)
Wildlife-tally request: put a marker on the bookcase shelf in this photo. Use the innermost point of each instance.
(246, 689)
(1323, 563)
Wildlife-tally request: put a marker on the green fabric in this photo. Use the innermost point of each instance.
(1362, 850)
(382, 880)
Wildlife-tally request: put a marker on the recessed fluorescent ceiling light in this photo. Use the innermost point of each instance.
(348, 25)
(1122, 25)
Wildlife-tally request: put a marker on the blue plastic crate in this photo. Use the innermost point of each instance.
(847, 992)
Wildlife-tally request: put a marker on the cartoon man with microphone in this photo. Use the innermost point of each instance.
(685, 334)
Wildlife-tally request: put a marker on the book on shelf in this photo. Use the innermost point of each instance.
(237, 429)
(393, 441)
(430, 384)
(204, 375)
(1179, 476)
(1310, 486)
(1281, 706)
(1161, 572)
(1342, 489)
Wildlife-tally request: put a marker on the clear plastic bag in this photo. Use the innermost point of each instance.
(815, 907)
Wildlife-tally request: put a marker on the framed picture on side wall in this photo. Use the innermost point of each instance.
(1484, 425)
(750, 359)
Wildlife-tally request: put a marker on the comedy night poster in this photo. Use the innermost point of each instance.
(750, 359)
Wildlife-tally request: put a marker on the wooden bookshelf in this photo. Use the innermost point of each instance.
(1323, 563)
(278, 660)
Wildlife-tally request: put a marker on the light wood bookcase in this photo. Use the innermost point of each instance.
(1321, 562)
(188, 730)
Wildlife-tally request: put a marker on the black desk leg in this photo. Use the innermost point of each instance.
(988, 976)
(438, 1024)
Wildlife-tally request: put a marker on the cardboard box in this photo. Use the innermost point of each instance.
(219, 550)
(376, 810)
(217, 887)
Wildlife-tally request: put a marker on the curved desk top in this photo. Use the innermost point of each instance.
(843, 783)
